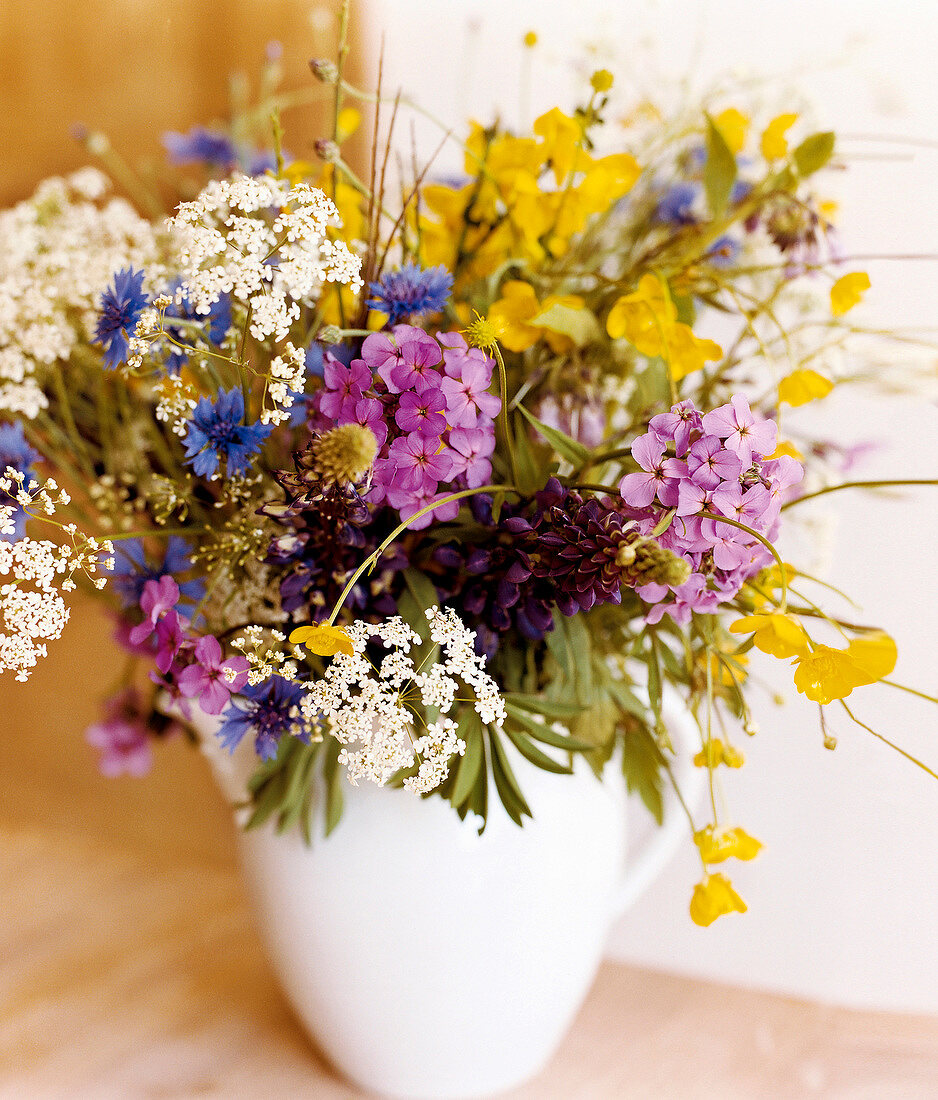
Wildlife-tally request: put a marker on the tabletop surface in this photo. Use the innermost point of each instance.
(130, 966)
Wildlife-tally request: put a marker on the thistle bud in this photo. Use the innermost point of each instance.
(345, 454)
(329, 334)
(323, 69)
(643, 560)
(326, 150)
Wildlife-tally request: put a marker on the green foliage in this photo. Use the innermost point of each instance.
(642, 765)
(813, 153)
(719, 171)
(566, 447)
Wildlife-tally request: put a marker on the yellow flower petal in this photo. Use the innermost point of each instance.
(718, 844)
(645, 317)
(848, 291)
(713, 898)
(780, 635)
(774, 145)
(348, 122)
(874, 654)
(562, 135)
(687, 353)
(512, 311)
(323, 639)
(786, 448)
(802, 386)
(734, 126)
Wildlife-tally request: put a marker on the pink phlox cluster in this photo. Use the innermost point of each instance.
(699, 467)
(426, 399)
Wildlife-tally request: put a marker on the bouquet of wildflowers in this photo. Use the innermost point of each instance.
(404, 491)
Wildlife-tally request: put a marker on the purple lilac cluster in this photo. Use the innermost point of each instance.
(427, 401)
(699, 466)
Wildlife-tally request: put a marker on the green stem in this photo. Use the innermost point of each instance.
(891, 744)
(911, 691)
(503, 412)
(860, 485)
(401, 527)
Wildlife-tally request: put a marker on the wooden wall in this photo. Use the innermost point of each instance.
(134, 69)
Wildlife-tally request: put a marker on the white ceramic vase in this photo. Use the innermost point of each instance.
(427, 961)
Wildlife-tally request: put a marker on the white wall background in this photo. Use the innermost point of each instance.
(844, 900)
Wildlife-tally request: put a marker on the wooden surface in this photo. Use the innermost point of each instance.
(129, 965)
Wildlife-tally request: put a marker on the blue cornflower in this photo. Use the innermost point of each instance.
(121, 306)
(215, 431)
(676, 207)
(201, 146)
(411, 291)
(132, 570)
(15, 452)
(218, 318)
(723, 252)
(267, 709)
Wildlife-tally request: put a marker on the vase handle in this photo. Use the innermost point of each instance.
(640, 873)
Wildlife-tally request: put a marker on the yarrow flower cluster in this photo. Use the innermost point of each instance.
(372, 705)
(266, 244)
(698, 468)
(434, 427)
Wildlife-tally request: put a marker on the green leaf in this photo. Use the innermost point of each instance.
(301, 766)
(505, 783)
(813, 153)
(538, 705)
(531, 752)
(626, 700)
(530, 476)
(467, 770)
(333, 776)
(547, 736)
(575, 453)
(421, 587)
(654, 676)
(579, 324)
(719, 171)
(641, 765)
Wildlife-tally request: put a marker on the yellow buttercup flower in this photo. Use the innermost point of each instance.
(848, 292)
(802, 386)
(715, 753)
(714, 897)
(734, 126)
(786, 447)
(516, 306)
(323, 639)
(347, 123)
(720, 843)
(686, 352)
(779, 635)
(645, 317)
(826, 674)
(562, 136)
(774, 144)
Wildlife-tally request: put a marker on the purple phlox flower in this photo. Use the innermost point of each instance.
(676, 206)
(215, 432)
(755, 508)
(158, 598)
(411, 291)
(402, 355)
(693, 498)
(345, 386)
(215, 324)
(728, 544)
(268, 710)
(709, 463)
(211, 679)
(369, 412)
(420, 463)
(121, 306)
(783, 474)
(443, 514)
(467, 393)
(692, 596)
(743, 433)
(122, 737)
(726, 498)
(201, 146)
(132, 570)
(171, 636)
(422, 409)
(471, 449)
(169, 686)
(16, 453)
(661, 475)
(678, 424)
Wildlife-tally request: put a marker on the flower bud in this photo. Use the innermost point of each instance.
(329, 334)
(345, 454)
(323, 69)
(326, 150)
